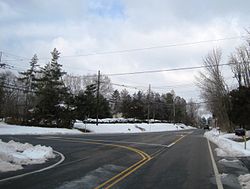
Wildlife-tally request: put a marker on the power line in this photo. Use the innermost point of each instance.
(164, 70)
(140, 49)
(126, 86)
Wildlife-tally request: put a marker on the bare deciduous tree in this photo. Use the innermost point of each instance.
(240, 65)
(214, 89)
(79, 83)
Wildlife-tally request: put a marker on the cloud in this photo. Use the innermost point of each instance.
(7, 12)
(83, 27)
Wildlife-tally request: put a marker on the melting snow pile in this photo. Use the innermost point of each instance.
(244, 181)
(227, 147)
(13, 155)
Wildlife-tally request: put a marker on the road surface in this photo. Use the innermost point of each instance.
(175, 160)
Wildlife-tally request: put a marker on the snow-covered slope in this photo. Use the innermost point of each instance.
(6, 129)
(131, 127)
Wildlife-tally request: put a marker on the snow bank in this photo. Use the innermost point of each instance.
(6, 129)
(122, 120)
(244, 181)
(226, 146)
(131, 127)
(15, 154)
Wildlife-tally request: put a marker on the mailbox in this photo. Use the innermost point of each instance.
(240, 132)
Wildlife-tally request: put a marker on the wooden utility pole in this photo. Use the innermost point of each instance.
(149, 91)
(174, 110)
(97, 97)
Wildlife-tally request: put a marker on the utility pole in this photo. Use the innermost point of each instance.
(97, 97)
(149, 91)
(174, 110)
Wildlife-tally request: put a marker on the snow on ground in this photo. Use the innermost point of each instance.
(6, 129)
(13, 155)
(244, 181)
(131, 127)
(226, 146)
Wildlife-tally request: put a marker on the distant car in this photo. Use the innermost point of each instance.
(206, 127)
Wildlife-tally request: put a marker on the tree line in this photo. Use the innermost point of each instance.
(48, 96)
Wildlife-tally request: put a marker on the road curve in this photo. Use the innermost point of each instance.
(148, 160)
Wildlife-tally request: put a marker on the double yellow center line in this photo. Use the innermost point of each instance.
(125, 173)
(117, 178)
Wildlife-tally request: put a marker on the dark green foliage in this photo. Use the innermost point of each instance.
(86, 103)
(52, 95)
(28, 77)
(126, 104)
(168, 108)
(138, 109)
(161, 107)
(180, 110)
(240, 107)
(104, 109)
(28, 80)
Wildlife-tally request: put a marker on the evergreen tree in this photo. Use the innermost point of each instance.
(90, 101)
(53, 96)
(126, 104)
(86, 103)
(157, 107)
(138, 108)
(104, 109)
(28, 79)
(240, 107)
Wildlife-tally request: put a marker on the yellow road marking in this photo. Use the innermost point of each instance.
(122, 175)
(127, 174)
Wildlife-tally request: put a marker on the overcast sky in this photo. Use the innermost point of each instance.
(81, 27)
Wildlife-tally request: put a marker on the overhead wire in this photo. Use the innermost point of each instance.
(164, 70)
(143, 48)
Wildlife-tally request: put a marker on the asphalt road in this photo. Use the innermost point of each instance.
(175, 160)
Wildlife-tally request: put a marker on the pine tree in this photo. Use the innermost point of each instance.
(28, 80)
(240, 107)
(104, 109)
(126, 104)
(85, 103)
(138, 108)
(53, 95)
